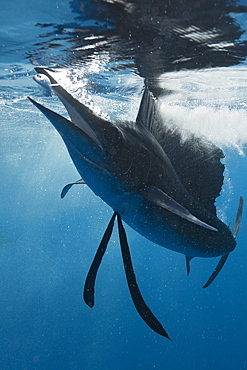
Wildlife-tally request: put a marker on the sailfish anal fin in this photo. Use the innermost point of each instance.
(188, 259)
(158, 197)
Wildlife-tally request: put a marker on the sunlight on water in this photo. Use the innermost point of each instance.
(209, 102)
(93, 86)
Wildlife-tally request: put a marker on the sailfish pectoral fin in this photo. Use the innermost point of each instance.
(135, 293)
(68, 187)
(92, 273)
(158, 197)
(223, 258)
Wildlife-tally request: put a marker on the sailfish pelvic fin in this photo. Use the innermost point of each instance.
(88, 293)
(140, 305)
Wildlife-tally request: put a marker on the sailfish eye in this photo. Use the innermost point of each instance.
(113, 135)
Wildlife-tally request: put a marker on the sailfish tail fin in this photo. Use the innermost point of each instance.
(223, 258)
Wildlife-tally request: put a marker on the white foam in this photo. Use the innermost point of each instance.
(210, 103)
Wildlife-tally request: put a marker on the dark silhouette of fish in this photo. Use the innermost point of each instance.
(162, 186)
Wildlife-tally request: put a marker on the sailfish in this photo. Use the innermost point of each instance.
(162, 186)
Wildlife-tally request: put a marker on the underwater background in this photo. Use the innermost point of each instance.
(194, 52)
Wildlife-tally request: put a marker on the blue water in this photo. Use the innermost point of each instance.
(47, 244)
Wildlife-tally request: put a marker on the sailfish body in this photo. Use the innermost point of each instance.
(162, 187)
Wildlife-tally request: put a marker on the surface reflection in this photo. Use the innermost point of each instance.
(112, 43)
(156, 36)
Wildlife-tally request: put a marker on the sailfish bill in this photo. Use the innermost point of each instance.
(163, 186)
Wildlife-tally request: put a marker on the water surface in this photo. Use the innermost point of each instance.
(193, 57)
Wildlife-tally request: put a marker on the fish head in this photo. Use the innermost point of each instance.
(119, 148)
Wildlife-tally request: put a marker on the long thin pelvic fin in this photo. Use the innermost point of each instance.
(158, 197)
(92, 273)
(223, 258)
(68, 186)
(135, 293)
